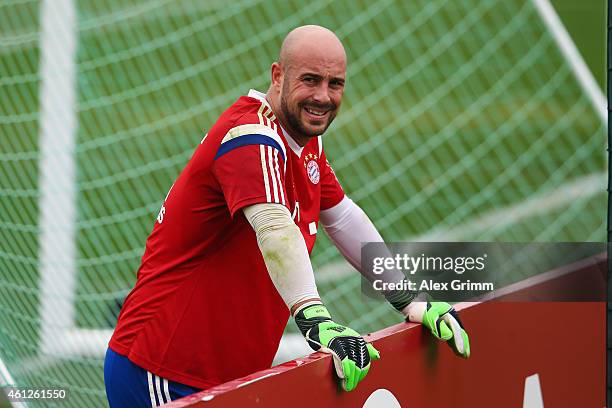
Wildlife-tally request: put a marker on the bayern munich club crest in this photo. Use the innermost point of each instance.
(312, 167)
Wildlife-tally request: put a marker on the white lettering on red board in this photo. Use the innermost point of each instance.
(382, 398)
(532, 396)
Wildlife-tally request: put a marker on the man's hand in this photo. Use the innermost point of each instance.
(351, 354)
(443, 322)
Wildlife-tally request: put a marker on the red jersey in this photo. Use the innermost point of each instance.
(204, 309)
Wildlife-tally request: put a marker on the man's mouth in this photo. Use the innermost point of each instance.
(318, 112)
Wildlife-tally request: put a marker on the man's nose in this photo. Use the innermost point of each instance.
(321, 94)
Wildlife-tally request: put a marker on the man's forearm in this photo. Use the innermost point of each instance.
(284, 252)
(349, 227)
(286, 256)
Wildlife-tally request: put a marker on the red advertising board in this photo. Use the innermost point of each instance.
(528, 354)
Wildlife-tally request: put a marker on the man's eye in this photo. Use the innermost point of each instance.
(310, 80)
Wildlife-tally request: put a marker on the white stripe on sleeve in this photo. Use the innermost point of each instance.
(272, 174)
(264, 169)
(280, 185)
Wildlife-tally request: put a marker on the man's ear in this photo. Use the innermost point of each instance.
(276, 73)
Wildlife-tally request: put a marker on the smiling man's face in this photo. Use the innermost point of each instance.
(309, 81)
(311, 97)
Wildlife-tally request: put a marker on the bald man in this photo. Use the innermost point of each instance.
(228, 261)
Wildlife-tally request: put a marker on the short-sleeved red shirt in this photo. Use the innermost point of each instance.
(204, 310)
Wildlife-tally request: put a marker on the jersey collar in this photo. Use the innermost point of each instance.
(260, 96)
(297, 149)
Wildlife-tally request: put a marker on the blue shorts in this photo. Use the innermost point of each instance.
(128, 385)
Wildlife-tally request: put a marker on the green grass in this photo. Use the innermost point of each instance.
(586, 22)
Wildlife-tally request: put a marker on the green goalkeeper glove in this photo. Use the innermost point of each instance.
(443, 322)
(351, 354)
(439, 317)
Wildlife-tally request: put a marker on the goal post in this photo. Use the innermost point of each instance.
(57, 175)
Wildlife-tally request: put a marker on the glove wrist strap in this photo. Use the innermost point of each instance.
(310, 316)
(399, 299)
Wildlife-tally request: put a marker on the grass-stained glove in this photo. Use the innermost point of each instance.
(443, 322)
(351, 354)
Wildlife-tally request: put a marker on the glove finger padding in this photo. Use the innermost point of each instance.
(443, 322)
(432, 318)
(461, 342)
(351, 374)
(442, 330)
(351, 363)
(374, 354)
(350, 352)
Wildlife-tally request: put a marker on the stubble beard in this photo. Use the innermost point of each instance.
(293, 119)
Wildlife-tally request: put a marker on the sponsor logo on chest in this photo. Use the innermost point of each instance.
(312, 167)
